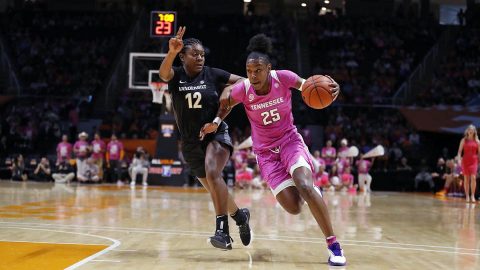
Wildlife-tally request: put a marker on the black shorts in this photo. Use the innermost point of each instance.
(194, 153)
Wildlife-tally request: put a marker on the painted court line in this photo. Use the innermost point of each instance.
(322, 241)
(286, 239)
(115, 244)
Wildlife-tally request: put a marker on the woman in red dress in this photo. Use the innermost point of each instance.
(470, 145)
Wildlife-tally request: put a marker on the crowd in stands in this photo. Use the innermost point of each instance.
(135, 116)
(234, 32)
(86, 161)
(389, 128)
(369, 57)
(62, 59)
(63, 53)
(35, 125)
(457, 80)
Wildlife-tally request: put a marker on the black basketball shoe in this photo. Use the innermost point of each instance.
(244, 228)
(221, 240)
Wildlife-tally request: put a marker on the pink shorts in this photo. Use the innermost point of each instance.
(276, 165)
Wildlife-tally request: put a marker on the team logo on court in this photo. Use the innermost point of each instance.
(250, 97)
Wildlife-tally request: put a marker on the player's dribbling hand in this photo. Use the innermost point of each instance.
(335, 88)
(175, 44)
(206, 129)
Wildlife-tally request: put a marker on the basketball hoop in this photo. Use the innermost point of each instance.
(158, 89)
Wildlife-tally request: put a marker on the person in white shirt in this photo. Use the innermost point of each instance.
(139, 165)
(89, 172)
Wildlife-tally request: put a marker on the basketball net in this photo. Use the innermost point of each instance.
(158, 90)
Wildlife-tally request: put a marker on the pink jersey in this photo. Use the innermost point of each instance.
(98, 149)
(114, 149)
(342, 151)
(363, 166)
(329, 154)
(64, 151)
(270, 115)
(80, 148)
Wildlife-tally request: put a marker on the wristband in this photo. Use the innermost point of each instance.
(301, 86)
(217, 120)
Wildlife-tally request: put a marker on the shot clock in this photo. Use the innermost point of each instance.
(163, 24)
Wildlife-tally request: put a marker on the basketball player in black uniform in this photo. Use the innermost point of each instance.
(195, 91)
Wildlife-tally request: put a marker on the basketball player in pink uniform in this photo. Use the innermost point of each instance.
(64, 150)
(284, 160)
(470, 145)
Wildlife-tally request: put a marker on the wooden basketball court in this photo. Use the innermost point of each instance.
(47, 226)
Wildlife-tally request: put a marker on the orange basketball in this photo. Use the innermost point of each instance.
(316, 93)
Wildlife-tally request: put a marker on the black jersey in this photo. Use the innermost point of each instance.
(196, 100)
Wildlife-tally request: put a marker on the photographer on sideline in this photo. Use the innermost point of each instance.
(139, 165)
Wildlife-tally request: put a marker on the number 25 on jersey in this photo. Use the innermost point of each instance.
(270, 117)
(194, 100)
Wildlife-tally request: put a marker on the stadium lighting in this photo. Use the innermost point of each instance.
(326, 2)
(324, 8)
(247, 1)
(304, 4)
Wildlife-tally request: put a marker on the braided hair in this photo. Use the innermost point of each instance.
(260, 47)
(190, 42)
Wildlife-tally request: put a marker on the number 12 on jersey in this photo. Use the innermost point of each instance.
(194, 100)
(270, 117)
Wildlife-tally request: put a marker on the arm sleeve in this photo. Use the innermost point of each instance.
(287, 77)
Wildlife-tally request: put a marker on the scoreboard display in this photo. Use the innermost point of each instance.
(163, 24)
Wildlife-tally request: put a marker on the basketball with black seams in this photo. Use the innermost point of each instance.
(316, 92)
